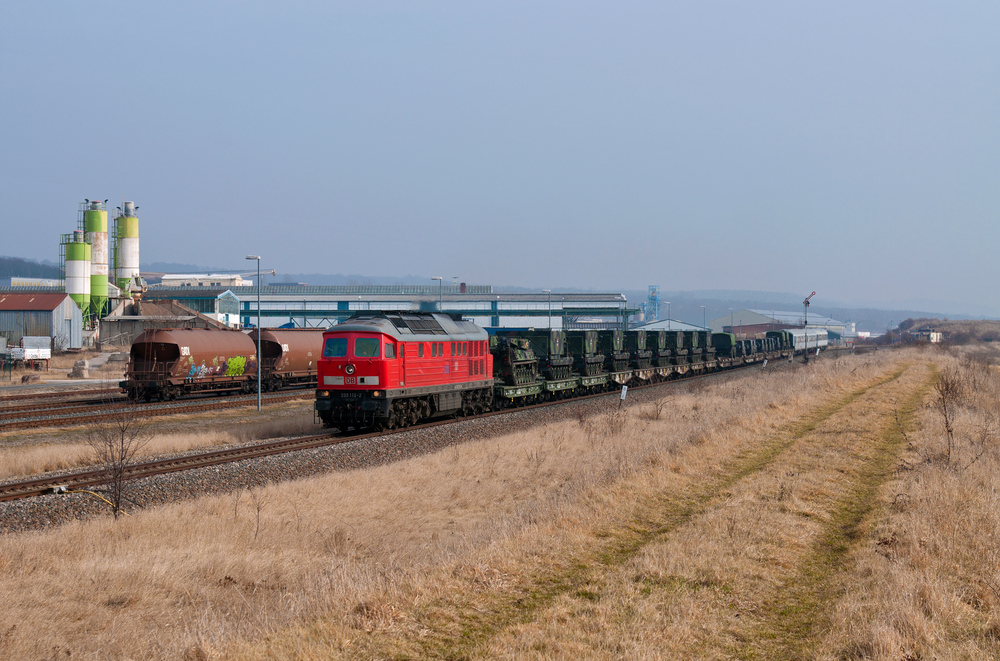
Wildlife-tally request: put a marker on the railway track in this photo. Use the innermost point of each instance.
(7, 412)
(64, 416)
(54, 395)
(77, 480)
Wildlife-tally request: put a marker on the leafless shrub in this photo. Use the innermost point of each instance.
(535, 458)
(655, 410)
(948, 389)
(615, 420)
(258, 500)
(115, 442)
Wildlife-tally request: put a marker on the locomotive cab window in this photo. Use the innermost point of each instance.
(335, 347)
(366, 347)
(434, 349)
(390, 350)
(420, 349)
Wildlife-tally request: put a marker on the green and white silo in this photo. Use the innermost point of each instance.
(77, 269)
(95, 224)
(126, 246)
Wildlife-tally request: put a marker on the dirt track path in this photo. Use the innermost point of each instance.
(741, 566)
(748, 567)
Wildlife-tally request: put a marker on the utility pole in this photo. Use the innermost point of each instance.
(257, 257)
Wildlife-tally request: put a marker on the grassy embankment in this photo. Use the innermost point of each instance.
(744, 519)
(28, 453)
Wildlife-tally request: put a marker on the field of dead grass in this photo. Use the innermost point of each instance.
(23, 455)
(926, 573)
(726, 522)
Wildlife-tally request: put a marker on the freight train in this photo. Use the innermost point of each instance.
(166, 364)
(395, 369)
(391, 370)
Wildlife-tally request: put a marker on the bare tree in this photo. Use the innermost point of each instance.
(115, 442)
(949, 388)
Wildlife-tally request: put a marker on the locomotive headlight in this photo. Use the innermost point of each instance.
(324, 393)
(375, 393)
(349, 369)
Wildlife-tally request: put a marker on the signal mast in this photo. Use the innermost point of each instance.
(805, 324)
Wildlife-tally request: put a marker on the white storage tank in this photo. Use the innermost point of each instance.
(77, 269)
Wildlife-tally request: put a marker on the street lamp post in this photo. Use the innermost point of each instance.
(257, 257)
(704, 317)
(549, 292)
(668, 315)
(731, 320)
(440, 290)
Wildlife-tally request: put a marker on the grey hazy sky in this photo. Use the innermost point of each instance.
(850, 148)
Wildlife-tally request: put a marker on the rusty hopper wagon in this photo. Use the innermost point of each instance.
(166, 364)
(289, 356)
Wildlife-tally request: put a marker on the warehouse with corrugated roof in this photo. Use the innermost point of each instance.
(53, 315)
(746, 323)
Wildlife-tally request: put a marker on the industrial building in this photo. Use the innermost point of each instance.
(321, 306)
(204, 280)
(54, 315)
(748, 323)
(668, 324)
(130, 318)
(34, 283)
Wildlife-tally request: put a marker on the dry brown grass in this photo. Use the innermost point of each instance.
(404, 558)
(54, 453)
(927, 573)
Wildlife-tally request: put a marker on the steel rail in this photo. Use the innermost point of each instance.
(62, 405)
(51, 395)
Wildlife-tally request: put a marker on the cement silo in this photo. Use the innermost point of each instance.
(75, 253)
(126, 255)
(94, 222)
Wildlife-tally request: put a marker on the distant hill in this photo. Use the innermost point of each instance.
(26, 268)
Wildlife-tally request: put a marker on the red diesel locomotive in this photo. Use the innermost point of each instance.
(394, 369)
